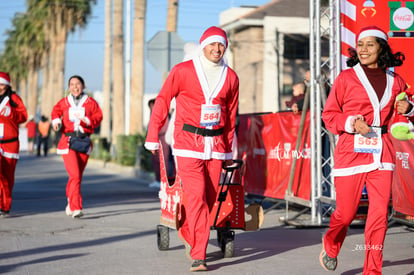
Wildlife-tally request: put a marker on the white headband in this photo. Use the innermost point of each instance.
(212, 39)
(376, 33)
(4, 81)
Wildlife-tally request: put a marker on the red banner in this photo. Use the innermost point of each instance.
(267, 144)
(403, 185)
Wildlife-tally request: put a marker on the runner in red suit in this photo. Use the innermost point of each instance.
(12, 113)
(206, 91)
(359, 109)
(75, 115)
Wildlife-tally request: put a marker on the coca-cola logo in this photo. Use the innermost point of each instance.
(403, 18)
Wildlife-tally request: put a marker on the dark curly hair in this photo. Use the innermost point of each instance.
(386, 58)
(9, 93)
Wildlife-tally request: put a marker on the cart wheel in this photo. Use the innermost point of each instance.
(229, 249)
(227, 244)
(163, 237)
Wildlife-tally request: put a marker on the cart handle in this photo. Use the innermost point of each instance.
(237, 163)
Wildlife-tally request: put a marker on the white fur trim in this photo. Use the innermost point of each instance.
(350, 123)
(212, 39)
(56, 121)
(338, 172)
(87, 121)
(152, 145)
(4, 81)
(375, 33)
(409, 124)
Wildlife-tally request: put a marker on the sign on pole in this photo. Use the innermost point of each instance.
(165, 50)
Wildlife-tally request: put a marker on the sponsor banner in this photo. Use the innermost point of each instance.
(396, 18)
(403, 185)
(267, 145)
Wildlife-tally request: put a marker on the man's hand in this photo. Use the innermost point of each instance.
(228, 162)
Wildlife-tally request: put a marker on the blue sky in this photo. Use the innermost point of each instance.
(85, 48)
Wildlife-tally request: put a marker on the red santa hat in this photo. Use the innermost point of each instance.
(372, 31)
(213, 34)
(4, 78)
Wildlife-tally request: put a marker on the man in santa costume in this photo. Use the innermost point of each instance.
(206, 92)
(12, 113)
(359, 110)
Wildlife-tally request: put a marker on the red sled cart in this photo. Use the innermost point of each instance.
(227, 214)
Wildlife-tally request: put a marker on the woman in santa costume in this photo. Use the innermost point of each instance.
(76, 115)
(206, 93)
(12, 113)
(359, 109)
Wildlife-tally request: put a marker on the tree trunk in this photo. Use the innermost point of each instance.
(32, 83)
(45, 95)
(107, 76)
(118, 126)
(138, 65)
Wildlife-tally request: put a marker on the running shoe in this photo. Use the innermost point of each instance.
(198, 265)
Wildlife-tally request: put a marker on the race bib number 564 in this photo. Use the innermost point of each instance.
(210, 115)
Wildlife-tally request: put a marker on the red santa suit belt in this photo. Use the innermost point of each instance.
(203, 131)
(9, 140)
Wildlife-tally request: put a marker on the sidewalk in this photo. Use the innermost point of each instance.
(117, 234)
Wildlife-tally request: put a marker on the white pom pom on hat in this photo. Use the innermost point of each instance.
(372, 31)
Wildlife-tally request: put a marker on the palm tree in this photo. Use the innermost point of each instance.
(59, 18)
(118, 122)
(138, 64)
(31, 45)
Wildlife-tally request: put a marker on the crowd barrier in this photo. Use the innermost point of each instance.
(266, 143)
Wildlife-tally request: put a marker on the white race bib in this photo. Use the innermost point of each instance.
(1, 130)
(210, 115)
(76, 113)
(370, 143)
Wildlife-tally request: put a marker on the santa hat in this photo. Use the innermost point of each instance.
(372, 31)
(213, 34)
(4, 78)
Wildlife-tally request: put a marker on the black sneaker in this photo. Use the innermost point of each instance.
(328, 263)
(4, 213)
(198, 265)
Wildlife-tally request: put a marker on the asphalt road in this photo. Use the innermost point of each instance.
(117, 234)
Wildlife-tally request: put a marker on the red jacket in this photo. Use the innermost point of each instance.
(60, 115)
(186, 83)
(353, 95)
(31, 129)
(9, 121)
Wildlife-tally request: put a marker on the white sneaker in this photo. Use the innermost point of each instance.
(77, 214)
(154, 184)
(68, 211)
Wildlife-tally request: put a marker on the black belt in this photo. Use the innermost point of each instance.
(203, 131)
(9, 140)
(76, 134)
(384, 128)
